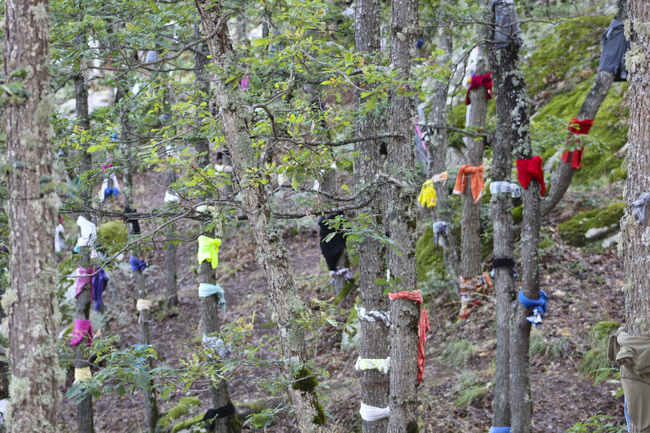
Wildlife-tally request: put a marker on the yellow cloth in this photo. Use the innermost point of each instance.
(383, 365)
(82, 374)
(143, 304)
(428, 196)
(209, 250)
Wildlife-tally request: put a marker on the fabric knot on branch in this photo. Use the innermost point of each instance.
(88, 232)
(137, 264)
(217, 345)
(105, 190)
(371, 413)
(538, 306)
(440, 228)
(382, 365)
(206, 290)
(475, 174)
(505, 188)
(428, 196)
(504, 263)
(82, 374)
(82, 328)
(639, 208)
(332, 241)
(423, 325)
(143, 304)
(99, 282)
(84, 276)
(479, 81)
(209, 250)
(529, 169)
(581, 127)
(373, 315)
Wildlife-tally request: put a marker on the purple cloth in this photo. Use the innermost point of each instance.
(82, 328)
(84, 276)
(137, 265)
(99, 284)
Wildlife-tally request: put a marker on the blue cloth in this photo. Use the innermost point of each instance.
(141, 362)
(499, 429)
(114, 136)
(627, 416)
(206, 290)
(99, 284)
(420, 43)
(137, 265)
(539, 304)
(111, 191)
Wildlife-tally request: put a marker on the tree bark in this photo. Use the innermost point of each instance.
(30, 301)
(402, 224)
(203, 84)
(372, 265)
(438, 148)
(470, 264)
(272, 253)
(171, 268)
(634, 238)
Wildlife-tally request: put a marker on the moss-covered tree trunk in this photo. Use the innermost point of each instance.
(437, 150)
(634, 238)
(272, 253)
(402, 223)
(563, 173)
(30, 301)
(372, 261)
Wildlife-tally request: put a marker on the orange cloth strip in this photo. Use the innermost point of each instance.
(423, 326)
(476, 183)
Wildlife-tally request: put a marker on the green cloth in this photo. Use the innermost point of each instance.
(632, 353)
(209, 250)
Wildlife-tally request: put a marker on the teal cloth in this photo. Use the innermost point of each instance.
(206, 290)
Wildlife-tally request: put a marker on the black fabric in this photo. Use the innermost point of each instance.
(615, 45)
(507, 28)
(134, 222)
(333, 249)
(503, 263)
(212, 414)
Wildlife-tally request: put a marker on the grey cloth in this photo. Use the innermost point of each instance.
(615, 45)
(632, 353)
(507, 28)
(505, 188)
(639, 209)
(439, 228)
(423, 156)
(152, 56)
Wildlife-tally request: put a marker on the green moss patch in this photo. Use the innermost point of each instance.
(184, 406)
(573, 231)
(428, 255)
(304, 380)
(183, 425)
(112, 233)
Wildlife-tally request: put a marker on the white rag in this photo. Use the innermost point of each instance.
(116, 185)
(373, 315)
(59, 239)
(371, 413)
(171, 197)
(383, 365)
(88, 232)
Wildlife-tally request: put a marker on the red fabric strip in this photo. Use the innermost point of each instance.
(576, 158)
(478, 81)
(581, 126)
(527, 169)
(423, 326)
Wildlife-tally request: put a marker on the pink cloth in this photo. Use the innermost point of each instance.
(245, 82)
(84, 276)
(82, 328)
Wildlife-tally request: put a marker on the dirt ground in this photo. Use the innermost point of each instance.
(584, 288)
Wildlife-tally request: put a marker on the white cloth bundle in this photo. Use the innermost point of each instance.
(88, 232)
(371, 413)
(171, 197)
(383, 365)
(373, 315)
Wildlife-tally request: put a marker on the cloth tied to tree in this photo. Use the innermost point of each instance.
(475, 174)
(82, 374)
(206, 290)
(423, 325)
(500, 187)
(100, 280)
(420, 43)
(88, 232)
(428, 196)
(143, 304)
(212, 414)
(245, 82)
(383, 365)
(135, 224)
(332, 249)
(371, 413)
(538, 306)
(439, 228)
(527, 169)
(504, 263)
(614, 46)
(84, 276)
(137, 264)
(478, 81)
(440, 177)
(209, 250)
(472, 290)
(59, 238)
(499, 429)
(82, 328)
(105, 190)
(632, 353)
(507, 29)
(171, 197)
(373, 315)
(581, 127)
(140, 349)
(639, 208)
(216, 344)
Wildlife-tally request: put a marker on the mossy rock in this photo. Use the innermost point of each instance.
(184, 406)
(573, 231)
(183, 425)
(112, 233)
(428, 255)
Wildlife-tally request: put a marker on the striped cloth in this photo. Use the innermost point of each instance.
(505, 188)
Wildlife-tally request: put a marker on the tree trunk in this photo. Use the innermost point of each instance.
(402, 224)
(563, 173)
(203, 84)
(372, 267)
(634, 237)
(470, 264)
(171, 268)
(85, 422)
(272, 253)
(437, 149)
(30, 301)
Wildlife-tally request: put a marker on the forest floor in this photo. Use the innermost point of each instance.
(584, 286)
